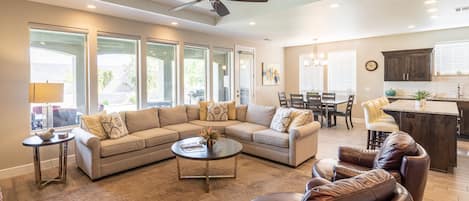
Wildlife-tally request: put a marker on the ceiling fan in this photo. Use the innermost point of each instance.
(217, 5)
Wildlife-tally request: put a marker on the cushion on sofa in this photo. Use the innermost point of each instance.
(299, 118)
(193, 112)
(370, 186)
(121, 145)
(185, 130)
(92, 124)
(114, 126)
(281, 120)
(259, 114)
(175, 115)
(231, 109)
(142, 119)
(241, 112)
(244, 130)
(271, 137)
(157, 136)
(216, 125)
(217, 112)
(203, 110)
(395, 147)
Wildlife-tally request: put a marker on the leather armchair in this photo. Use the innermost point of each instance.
(412, 171)
(369, 186)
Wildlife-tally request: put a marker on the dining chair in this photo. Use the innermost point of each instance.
(282, 98)
(314, 104)
(297, 101)
(347, 114)
(331, 108)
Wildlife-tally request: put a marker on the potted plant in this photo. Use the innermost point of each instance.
(421, 98)
(210, 136)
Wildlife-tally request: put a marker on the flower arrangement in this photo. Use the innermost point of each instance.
(210, 136)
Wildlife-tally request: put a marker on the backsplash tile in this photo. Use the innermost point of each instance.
(446, 87)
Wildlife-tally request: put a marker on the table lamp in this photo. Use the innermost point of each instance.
(46, 93)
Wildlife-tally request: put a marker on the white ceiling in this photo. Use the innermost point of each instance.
(290, 22)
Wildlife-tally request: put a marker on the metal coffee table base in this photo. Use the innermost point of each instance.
(207, 175)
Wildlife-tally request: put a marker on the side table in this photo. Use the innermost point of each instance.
(35, 142)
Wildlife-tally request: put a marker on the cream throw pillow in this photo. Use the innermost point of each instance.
(217, 112)
(92, 124)
(281, 120)
(300, 118)
(114, 126)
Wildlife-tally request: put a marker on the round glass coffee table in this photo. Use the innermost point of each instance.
(192, 149)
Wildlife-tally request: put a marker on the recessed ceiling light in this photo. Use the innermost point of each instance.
(252, 23)
(434, 16)
(411, 26)
(432, 10)
(334, 5)
(90, 6)
(430, 2)
(174, 23)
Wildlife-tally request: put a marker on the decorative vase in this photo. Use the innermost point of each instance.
(210, 143)
(390, 92)
(420, 103)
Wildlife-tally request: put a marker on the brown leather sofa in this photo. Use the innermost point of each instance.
(376, 185)
(400, 155)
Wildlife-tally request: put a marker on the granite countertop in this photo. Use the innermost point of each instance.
(432, 107)
(451, 99)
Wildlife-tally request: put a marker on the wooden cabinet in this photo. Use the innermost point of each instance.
(408, 65)
(464, 119)
(439, 139)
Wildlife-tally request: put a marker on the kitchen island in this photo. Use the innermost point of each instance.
(433, 126)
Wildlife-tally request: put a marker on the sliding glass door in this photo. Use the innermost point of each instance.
(244, 81)
(195, 74)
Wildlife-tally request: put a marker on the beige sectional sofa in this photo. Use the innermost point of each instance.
(150, 140)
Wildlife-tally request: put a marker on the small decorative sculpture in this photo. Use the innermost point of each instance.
(209, 136)
(46, 136)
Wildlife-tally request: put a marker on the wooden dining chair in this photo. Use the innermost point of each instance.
(282, 98)
(347, 114)
(314, 104)
(297, 101)
(326, 96)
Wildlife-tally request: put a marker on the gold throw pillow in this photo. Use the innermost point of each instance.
(92, 124)
(231, 109)
(203, 105)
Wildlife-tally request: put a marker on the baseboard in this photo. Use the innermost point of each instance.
(29, 168)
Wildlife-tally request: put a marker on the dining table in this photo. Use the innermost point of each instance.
(329, 103)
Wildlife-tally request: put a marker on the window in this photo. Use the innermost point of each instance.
(342, 71)
(161, 72)
(195, 74)
(58, 57)
(452, 58)
(221, 74)
(117, 74)
(311, 77)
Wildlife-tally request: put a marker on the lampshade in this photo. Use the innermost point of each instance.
(46, 92)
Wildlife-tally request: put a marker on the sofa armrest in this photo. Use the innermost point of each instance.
(343, 172)
(357, 156)
(316, 182)
(86, 138)
(303, 131)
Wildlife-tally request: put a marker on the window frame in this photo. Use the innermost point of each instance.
(86, 66)
(434, 60)
(231, 52)
(138, 61)
(176, 69)
(207, 73)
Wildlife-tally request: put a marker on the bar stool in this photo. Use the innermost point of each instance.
(378, 124)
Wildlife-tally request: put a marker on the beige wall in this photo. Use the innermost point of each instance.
(14, 66)
(369, 84)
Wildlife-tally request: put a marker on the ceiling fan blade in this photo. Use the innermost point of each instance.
(220, 8)
(254, 1)
(185, 5)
